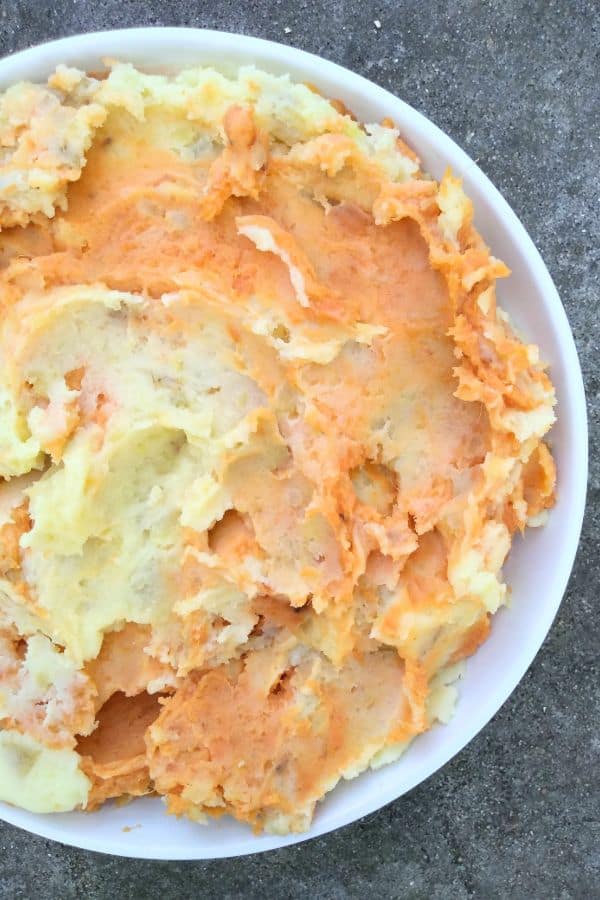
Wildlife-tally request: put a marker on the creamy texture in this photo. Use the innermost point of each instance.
(264, 439)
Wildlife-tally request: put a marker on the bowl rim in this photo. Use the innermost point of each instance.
(280, 58)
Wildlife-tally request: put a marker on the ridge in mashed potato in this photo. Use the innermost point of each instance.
(265, 439)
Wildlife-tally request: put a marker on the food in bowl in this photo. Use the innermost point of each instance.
(266, 438)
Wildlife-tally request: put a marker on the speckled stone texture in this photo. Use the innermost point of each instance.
(515, 815)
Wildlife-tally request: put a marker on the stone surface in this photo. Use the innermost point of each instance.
(516, 813)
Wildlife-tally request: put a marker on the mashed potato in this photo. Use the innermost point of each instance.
(264, 441)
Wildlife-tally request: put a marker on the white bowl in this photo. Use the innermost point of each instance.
(539, 565)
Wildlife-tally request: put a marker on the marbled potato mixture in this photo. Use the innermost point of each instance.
(265, 438)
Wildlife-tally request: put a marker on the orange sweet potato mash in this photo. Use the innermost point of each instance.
(265, 438)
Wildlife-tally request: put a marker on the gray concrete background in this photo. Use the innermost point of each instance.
(516, 814)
